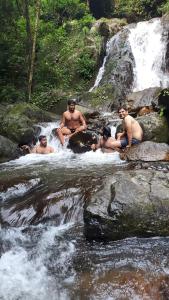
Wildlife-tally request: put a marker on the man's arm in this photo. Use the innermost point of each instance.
(82, 120)
(94, 147)
(128, 127)
(27, 148)
(120, 135)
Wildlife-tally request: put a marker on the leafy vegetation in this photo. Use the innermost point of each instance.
(66, 52)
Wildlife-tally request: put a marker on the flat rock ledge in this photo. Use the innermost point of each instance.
(147, 151)
(129, 203)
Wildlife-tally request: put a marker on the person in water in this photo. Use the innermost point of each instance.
(71, 123)
(105, 142)
(132, 133)
(42, 148)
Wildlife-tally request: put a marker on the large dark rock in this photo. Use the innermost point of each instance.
(155, 127)
(117, 78)
(8, 149)
(81, 142)
(17, 122)
(147, 151)
(134, 203)
(119, 66)
(145, 98)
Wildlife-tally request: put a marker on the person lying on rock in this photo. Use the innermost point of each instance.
(42, 148)
(71, 123)
(105, 142)
(132, 132)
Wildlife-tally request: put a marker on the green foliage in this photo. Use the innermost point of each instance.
(48, 98)
(138, 9)
(165, 7)
(85, 65)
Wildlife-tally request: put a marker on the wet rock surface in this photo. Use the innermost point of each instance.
(81, 142)
(129, 203)
(8, 149)
(145, 98)
(147, 151)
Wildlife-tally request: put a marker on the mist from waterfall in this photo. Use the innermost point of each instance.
(148, 47)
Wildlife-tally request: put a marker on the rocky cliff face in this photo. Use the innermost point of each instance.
(119, 66)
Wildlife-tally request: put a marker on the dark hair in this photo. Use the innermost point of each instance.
(122, 107)
(71, 101)
(41, 137)
(106, 132)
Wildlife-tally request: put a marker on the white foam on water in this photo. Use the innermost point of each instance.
(20, 189)
(23, 274)
(63, 156)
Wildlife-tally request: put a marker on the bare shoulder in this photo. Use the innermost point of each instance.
(128, 119)
(65, 113)
(78, 112)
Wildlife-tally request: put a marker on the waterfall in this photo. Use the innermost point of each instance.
(148, 47)
(102, 68)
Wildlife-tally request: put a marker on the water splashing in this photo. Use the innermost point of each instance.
(148, 49)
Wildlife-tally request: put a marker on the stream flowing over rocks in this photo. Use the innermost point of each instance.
(83, 224)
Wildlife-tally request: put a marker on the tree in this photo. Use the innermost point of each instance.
(32, 58)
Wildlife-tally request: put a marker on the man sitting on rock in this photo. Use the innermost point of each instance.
(71, 123)
(132, 133)
(42, 148)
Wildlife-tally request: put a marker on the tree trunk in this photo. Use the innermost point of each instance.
(29, 34)
(32, 60)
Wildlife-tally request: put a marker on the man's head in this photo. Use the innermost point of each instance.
(106, 132)
(122, 111)
(43, 140)
(71, 104)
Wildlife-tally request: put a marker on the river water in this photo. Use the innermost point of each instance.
(43, 251)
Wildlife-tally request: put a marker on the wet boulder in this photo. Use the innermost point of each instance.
(147, 151)
(17, 122)
(146, 98)
(8, 149)
(155, 127)
(81, 141)
(119, 66)
(128, 204)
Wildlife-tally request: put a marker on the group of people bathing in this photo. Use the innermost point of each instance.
(73, 121)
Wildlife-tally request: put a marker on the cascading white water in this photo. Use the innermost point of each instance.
(62, 156)
(102, 69)
(148, 49)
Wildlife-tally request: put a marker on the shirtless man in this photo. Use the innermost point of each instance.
(132, 133)
(42, 148)
(71, 123)
(105, 142)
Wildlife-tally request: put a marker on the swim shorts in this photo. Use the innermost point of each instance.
(72, 130)
(124, 142)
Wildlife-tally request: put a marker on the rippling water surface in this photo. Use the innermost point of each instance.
(43, 252)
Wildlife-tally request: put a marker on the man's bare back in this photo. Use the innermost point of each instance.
(130, 124)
